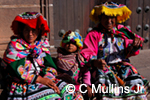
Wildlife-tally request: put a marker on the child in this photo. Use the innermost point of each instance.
(70, 62)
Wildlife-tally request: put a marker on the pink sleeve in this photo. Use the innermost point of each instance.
(90, 45)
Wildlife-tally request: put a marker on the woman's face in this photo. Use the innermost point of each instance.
(70, 47)
(30, 34)
(108, 21)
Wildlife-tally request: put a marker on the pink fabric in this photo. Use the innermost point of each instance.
(77, 87)
(90, 46)
(120, 26)
(87, 78)
(127, 42)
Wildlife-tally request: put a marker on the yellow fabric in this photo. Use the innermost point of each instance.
(122, 13)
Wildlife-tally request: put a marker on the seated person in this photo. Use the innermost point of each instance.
(27, 60)
(107, 47)
(70, 61)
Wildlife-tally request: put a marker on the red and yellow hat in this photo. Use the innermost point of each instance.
(111, 9)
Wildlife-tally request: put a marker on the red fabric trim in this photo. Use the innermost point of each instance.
(38, 22)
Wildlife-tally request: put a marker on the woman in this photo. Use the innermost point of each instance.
(31, 70)
(107, 48)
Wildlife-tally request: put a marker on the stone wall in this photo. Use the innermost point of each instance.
(8, 10)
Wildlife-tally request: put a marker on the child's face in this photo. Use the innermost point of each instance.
(70, 47)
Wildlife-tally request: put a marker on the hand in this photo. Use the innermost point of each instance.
(137, 42)
(99, 63)
(90, 94)
(48, 82)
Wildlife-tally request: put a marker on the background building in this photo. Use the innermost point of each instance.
(69, 15)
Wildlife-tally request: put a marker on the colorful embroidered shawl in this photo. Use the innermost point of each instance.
(18, 49)
(21, 67)
(69, 63)
(91, 42)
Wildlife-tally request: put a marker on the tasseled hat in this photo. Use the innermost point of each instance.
(110, 9)
(73, 37)
(33, 20)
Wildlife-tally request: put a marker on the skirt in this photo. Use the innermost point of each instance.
(120, 82)
(38, 91)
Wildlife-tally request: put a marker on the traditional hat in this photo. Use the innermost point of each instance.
(110, 9)
(73, 37)
(33, 20)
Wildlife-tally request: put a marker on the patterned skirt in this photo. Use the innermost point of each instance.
(120, 82)
(37, 91)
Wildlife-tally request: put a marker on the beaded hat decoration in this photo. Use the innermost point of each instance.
(73, 37)
(33, 20)
(110, 9)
